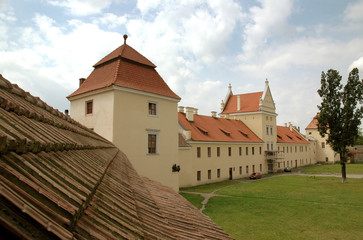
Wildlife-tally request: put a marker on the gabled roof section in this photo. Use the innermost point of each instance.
(218, 129)
(249, 102)
(285, 135)
(60, 180)
(127, 68)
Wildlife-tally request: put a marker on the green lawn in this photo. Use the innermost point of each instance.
(208, 188)
(195, 199)
(290, 207)
(355, 168)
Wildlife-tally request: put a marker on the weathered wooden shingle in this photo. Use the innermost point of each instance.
(59, 179)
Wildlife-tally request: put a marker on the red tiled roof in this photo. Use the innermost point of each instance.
(284, 135)
(249, 102)
(125, 67)
(313, 124)
(182, 141)
(60, 180)
(210, 129)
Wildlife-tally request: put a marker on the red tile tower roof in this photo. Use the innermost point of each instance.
(125, 67)
(212, 129)
(249, 102)
(313, 124)
(60, 180)
(285, 135)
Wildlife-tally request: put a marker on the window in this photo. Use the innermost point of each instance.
(246, 169)
(253, 168)
(253, 150)
(295, 149)
(246, 151)
(218, 173)
(153, 109)
(152, 143)
(229, 151)
(240, 151)
(209, 152)
(89, 107)
(199, 176)
(198, 152)
(309, 133)
(261, 167)
(271, 131)
(323, 145)
(209, 174)
(267, 130)
(240, 170)
(268, 147)
(260, 150)
(218, 151)
(272, 146)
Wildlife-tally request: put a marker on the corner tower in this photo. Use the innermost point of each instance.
(126, 101)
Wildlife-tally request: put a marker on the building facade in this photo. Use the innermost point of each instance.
(126, 101)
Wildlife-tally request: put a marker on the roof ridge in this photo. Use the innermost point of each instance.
(89, 198)
(10, 142)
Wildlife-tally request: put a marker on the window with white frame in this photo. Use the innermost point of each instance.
(153, 108)
(152, 142)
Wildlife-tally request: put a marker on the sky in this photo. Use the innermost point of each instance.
(198, 46)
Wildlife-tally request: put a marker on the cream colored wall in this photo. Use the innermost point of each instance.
(224, 162)
(322, 153)
(101, 120)
(131, 126)
(294, 155)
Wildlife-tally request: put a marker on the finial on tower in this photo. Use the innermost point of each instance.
(125, 37)
(229, 86)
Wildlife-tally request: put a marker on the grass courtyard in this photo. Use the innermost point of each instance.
(287, 207)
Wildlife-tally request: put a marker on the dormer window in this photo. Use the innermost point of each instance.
(225, 132)
(243, 133)
(153, 108)
(204, 131)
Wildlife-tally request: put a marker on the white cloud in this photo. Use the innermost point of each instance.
(354, 11)
(110, 20)
(83, 7)
(271, 19)
(357, 64)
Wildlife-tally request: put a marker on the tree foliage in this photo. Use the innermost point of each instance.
(340, 112)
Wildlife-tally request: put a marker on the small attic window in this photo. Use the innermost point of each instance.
(279, 136)
(289, 137)
(299, 137)
(204, 131)
(225, 131)
(243, 133)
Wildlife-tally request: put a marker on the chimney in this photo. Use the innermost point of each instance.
(222, 106)
(298, 128)
(214, 114)
(189, 111)
(181, 109)
(195, 110)
(66, 112)
(226, 116)
(290, 126)
(285, 124)
(81, 80)
(238, 103)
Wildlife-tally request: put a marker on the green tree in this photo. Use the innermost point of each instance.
(340, 112)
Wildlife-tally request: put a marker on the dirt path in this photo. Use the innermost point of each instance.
(207, 196)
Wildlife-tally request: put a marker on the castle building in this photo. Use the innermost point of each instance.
(126, 101)
(243, 140)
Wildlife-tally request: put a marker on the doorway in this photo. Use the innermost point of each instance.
(230, 173)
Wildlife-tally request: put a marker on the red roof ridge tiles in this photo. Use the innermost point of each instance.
(60, 180)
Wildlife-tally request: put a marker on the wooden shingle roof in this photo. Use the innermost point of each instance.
(60, 180)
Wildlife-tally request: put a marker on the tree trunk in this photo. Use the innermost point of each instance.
(342, 163)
